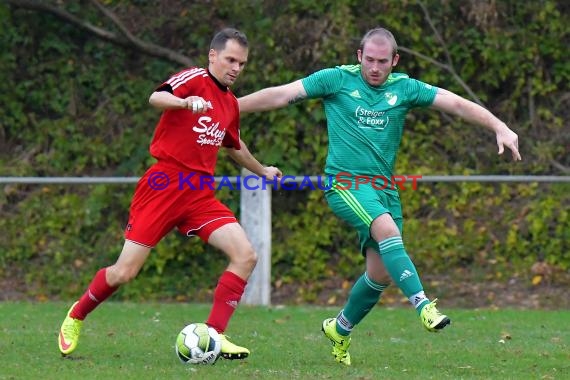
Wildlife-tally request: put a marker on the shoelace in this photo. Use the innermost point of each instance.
(432, 307)
(342, 343)
(72, 328)
(340, 355)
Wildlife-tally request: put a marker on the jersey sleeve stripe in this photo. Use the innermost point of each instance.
(184, 77)
(184, 74)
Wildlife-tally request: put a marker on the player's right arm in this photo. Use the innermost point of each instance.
(164, 99)
(273, 97)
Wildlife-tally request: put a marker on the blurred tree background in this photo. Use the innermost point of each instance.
(76, 80)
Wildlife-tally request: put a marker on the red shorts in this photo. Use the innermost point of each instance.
(165, 198)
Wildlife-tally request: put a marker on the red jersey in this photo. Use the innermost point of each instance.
(191, 141)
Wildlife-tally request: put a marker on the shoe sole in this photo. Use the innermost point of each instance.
(444, 322)
(239, 356)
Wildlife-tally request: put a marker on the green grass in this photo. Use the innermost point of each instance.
(135, 341)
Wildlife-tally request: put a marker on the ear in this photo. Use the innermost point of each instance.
(359, 55)
(212, 56)
(395, 60)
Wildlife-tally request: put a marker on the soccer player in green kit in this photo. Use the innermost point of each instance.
(365, 106)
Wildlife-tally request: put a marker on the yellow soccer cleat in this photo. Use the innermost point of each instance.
(232, 351)
(340, 343)
(432, 319)
(69, 333)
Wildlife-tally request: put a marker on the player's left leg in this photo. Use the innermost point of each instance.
(403, 271)
(105, 282)
(232, 240)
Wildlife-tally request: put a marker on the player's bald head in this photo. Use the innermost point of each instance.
(380, 34)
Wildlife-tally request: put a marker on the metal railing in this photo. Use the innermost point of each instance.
(255, 207)
(314, 178)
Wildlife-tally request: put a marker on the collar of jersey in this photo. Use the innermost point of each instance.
(220, 86)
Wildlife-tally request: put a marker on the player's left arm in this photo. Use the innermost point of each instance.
(244, 158)
(448, 102)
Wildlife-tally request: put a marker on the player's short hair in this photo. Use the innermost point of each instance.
(382, 32)
(219, 41)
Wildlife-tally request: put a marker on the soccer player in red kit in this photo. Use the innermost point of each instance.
(200, 114)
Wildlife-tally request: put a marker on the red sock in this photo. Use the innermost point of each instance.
(97, 292)
(226, 298)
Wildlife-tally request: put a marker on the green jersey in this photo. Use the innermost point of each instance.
(365, 123)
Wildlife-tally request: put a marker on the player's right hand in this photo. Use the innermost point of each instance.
(197, 104)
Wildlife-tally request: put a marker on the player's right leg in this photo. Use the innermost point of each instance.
(105, 283)
(340, 343)
(364, 295)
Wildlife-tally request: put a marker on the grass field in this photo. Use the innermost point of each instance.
(135, 341)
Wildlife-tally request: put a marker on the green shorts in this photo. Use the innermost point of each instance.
(359, 206)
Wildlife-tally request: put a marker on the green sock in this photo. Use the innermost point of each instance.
(364, 294)
(402, 270)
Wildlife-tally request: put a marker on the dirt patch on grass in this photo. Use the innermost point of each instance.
(453, 292)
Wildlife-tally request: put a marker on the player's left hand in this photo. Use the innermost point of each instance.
(507, 138)
(271, 172)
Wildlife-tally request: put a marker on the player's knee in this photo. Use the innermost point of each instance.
(385, 224)
(380, 278)
(251, 258)
(120, 275)
(247, 257)
(381, 231)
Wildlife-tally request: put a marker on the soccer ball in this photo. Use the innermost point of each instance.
(198, 343)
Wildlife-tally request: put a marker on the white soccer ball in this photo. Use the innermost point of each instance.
(198, 343)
